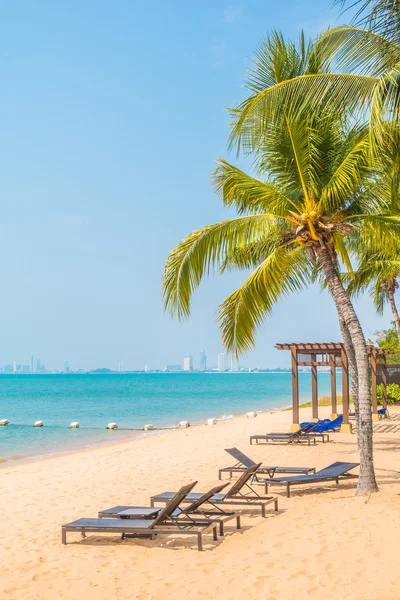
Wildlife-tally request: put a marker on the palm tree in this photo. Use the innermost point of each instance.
(381, 273)
(297, 219)
(378, 260)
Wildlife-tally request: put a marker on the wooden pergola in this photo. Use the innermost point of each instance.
(333, 355)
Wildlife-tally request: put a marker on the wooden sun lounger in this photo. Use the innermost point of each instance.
(139, 528)
(237, 495)
(147, 527)
(304, 434)
(337, 471)
(194, 511)
(244, 462)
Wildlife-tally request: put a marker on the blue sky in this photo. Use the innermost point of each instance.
(113, 114)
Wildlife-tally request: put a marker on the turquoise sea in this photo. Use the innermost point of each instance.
(130, 400)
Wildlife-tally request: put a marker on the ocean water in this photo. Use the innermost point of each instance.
(131, 401)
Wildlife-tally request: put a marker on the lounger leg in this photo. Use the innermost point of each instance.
(337, 481)
(221, 529)
(83, 533)
(215, 534)
(263, 510)
(238, 522)
(266, 487)
(288, 490)
(63, 536)
(152, 502)
(199, 542)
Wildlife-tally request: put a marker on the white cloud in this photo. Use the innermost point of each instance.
(231, 14)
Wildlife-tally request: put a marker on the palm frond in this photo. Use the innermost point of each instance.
(351, 171)
(252, 255)
(359, 51)
(306, 93)
(245, 193)
(283, 272)
(203, 250)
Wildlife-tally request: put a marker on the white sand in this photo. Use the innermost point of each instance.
(324, 542)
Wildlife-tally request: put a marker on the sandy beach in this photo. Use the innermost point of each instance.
(324, 540)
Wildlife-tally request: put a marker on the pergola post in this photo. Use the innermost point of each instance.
(333, 386)
(314, 389)
(346, 426)
(373, 363)
(295, 390)
(384, 382)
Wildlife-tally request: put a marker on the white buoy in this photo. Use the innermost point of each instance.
(251, 414)
(112, 426)
(38, 424)
(184, 424)
(4, 422)
(149, 427)
(211, 421)
(74, 425)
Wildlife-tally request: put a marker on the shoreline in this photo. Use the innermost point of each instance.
(10, 463)
(140, 433)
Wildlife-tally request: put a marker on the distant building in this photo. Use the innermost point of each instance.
(32, 369)
(25, 369)
(66, 366)
(221, 361)
(8, 369)
(234, 363)
(203, 361)
(120, 366)
(188, 362)
(172, 368)
(15, 367)
(146, 368)
(38, 365)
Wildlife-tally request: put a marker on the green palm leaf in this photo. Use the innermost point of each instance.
(204, 249)
(282, 272)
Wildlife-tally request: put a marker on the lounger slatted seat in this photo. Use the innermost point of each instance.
(304, 435)
(244, 462)
(337, 471)
(240, 494)
(194, 511)
(147, 528)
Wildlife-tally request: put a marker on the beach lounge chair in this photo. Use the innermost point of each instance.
(194, 511)
(147, 527)
(238, 495)
(325, 425)
(244, 462)
(304, 434)
(383, 413)
(335, 472)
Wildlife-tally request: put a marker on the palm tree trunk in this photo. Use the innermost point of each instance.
(351, 355)
(395, 313)
(367, 482)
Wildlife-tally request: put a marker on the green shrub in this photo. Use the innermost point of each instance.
(393, 393)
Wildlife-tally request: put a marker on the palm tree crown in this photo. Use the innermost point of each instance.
(308, 196)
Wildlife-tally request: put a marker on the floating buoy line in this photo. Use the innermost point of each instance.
(112, 426)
